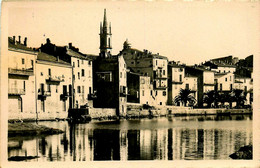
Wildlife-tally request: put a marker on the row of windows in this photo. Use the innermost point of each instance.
(23, 62)
(81, 89)
(230, 78)
(156, 93)
(82, 63)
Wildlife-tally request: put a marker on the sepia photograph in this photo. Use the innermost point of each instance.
(122, 81)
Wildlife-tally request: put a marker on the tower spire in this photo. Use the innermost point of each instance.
(105, 38)
(105, 19)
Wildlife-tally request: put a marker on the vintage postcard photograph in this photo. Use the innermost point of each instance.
(106, 82)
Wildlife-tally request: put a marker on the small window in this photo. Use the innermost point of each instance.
(132, 62)
(83, 89)
(180, 78)
(57, 89)
(49, 88)
(78, 63)
(24, 84)
(78, 75)
(143, 92)
(230, 78)
(79, 89)
(187, 86)
(22, 60)
(83, 72)
(164, 93)
(225, 79)
(32, 63)
(41, 73)
(49, 72)
(82, 61)
(89, 62)
(220, 87)
(73, 64)
(151, 92)
(156, 62)
(163, 72)
(120, 74)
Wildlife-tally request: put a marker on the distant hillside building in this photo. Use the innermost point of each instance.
(151, 65)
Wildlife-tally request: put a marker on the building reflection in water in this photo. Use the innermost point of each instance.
(84, 142)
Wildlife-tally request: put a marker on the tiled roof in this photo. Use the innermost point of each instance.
(50, 58)
(76, 54)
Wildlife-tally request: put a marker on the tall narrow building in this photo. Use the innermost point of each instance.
(105, 38)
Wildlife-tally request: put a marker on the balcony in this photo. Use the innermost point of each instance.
(23, 72)
(54, 79)
(160, 76)
(177, 82)
(43, 94)
(159, 86)
(16, 91)
(209, 84)
(92, 96)
(64, 96)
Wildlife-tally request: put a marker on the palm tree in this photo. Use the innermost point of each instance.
(239, 97)
(184, 97)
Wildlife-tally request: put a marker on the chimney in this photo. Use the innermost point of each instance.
(25, 41)
(14, 39)
(70, 45)
(19, 40)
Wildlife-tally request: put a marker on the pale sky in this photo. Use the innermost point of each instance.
(190, 32)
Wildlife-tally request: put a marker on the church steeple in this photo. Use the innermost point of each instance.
(105, 38)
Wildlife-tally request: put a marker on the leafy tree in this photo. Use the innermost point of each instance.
(184, 97)
(210, 97)
(239, 97)
(225, 97)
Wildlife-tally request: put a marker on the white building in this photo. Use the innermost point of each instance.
(82, 69)
(54, 87)
(21, 80)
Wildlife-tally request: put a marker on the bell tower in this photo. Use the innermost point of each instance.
(105, 38)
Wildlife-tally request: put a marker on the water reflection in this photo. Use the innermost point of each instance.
(176, 138)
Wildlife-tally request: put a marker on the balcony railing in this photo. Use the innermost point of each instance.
(43, 94)
(24, 72)
(64, 96)
(16, 91)
(54, 78)
(92, 96)
(160, 76)
(159, 86)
